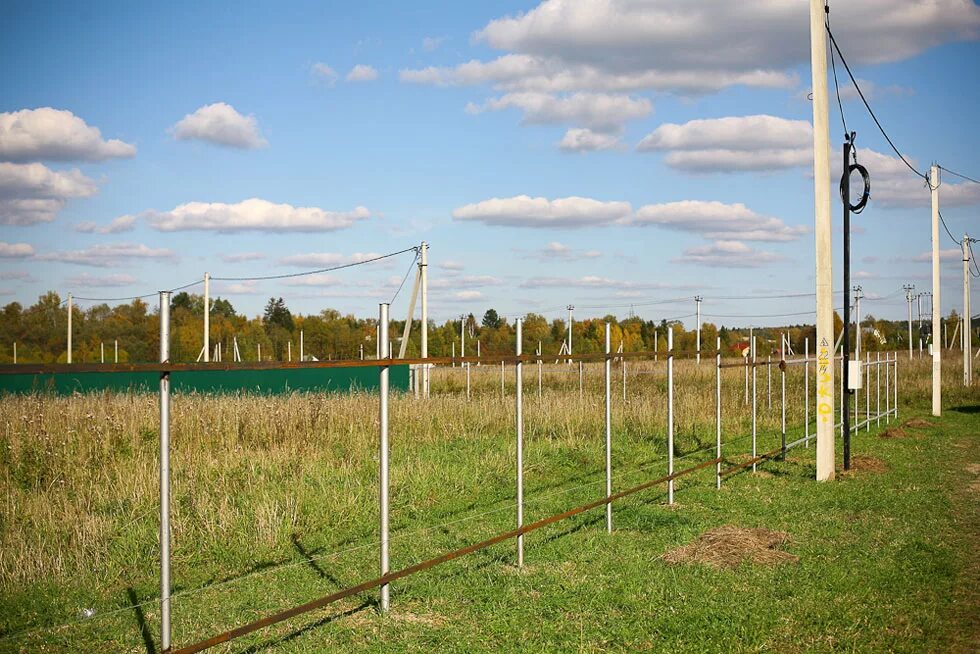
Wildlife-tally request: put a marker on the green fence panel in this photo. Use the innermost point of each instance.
(340, 380)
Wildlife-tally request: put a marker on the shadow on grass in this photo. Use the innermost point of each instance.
(275, 643)
(141, 623)
(971, 408)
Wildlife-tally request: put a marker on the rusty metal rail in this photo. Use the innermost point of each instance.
(430, 563)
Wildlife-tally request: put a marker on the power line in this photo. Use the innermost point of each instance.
(943, 221)
(833, 64)
(405, 278)
(318, 271)
(868, 106)
(961, 175)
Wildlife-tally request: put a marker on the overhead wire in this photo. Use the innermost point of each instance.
(405, 278)
(319, 270)
(960, 175)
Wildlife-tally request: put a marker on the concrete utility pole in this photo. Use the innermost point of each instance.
(424, 267)
(858, 294)
(207, 317)
(967, 326)
(937, 392)
(908, 299)
(69, 327)
(697, 302)
(824, 245)
(571, 308)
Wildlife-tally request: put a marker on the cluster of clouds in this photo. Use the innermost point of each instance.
(728, 226)
(326, 74)
(599, 54)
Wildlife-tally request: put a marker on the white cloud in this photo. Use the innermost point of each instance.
(585, 140)
(362, 73)
(733, 143)
(221, 124)
(465, 280)
(253, 214)
(33, 193)
(453, 266)
(324, 73)
(598, 111)
(108, 256)
(15, 250)
(238, 288)
(432, 43)
(316, 280)
(894, 185)
(468, 296)
(19, 275)
(326, 259)
(716, 221)
(120, 224)
(558, 251)
(525, 211)
(947, 255)
(594, 281)
(727, 254)
(47, 134)
(85, 280)
(242, 257)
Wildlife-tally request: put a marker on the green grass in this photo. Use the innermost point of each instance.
(263, 505)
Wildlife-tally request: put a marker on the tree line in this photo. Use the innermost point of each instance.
(40, 333)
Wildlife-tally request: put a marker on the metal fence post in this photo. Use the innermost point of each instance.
(580, 385)
(718, 412)
(670, 413)
(806, 390)
(623, 363)
(519, 414)
(165, 473)
(895, 361)
(769, 381)
(782, 373)
(878, 391)
(754, 402)
(867, 393)
(467, 382)
(501, 380)
(608, 431)
(383, 476)
(888, 394)
(539, 370)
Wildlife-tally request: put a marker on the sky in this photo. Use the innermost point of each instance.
(621, 156)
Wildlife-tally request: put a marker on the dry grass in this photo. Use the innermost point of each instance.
(863, 463)
(729, 546)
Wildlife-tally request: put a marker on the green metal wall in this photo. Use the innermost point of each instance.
(217, 381)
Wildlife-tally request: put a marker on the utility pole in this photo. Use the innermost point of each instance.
(207, 317)
(967, 325)
(845, 349)
(824, 245)
(937, 397)
(858, 294)
(424, 268)
(697, 301)
(69, 327)
(908, 299)
(571, 308)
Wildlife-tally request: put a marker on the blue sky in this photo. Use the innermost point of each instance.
(201, 108)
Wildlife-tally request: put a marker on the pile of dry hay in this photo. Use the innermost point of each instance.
(918, 423)
(729, 546)
(864, 463)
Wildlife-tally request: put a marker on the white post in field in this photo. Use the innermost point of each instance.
(424, 267)
(697, 301)
(609, 524)
(115, 346)
(824, 244)
(102, 352)
(301, 355)
(937, 392)
(258, 347)
(858, 294)
(908, 299)
(15, 352)
(69, 327)
(519, 419)
(289, 351)
(967, 326)
(385, 450)
(207, 317)
(571, 308)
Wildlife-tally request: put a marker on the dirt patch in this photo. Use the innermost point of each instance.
(863, 463)
(426, 620)
(918, 423)
(894, 432)
(973, 468)
(729, 546)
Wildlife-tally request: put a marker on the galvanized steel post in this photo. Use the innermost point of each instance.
(718, 412)
(806, 390)
(754, 403)
(888, 411)
(165, 473)
(670, 413)
(383, 472)
(608, 431)
(519, 413)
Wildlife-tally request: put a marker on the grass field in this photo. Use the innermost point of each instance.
(275, 503)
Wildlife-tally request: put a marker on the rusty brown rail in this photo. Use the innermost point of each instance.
(425, 565)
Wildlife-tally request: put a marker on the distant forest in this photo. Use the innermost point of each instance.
(40, 332)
